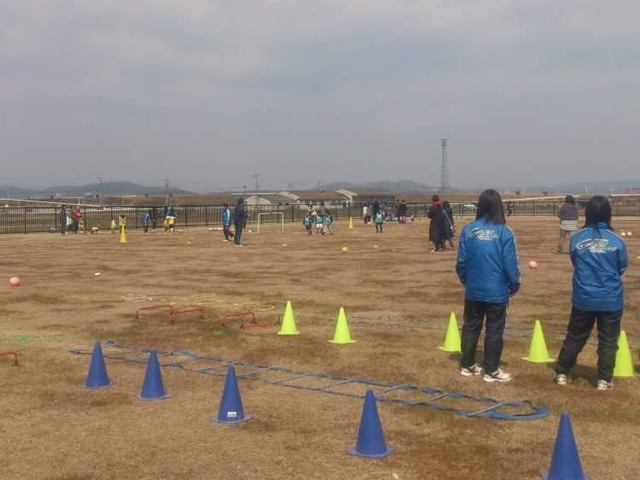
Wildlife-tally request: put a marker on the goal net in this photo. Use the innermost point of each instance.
(270, 222)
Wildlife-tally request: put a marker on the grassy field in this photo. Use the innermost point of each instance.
(398, 298)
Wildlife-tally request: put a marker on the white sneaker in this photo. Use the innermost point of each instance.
(471, 371)
(497, 376)
(561, 379)
(604, 385)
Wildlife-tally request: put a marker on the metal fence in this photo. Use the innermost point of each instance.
(26, 219)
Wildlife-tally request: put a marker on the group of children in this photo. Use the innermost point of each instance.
(71, 221)
(321, 219)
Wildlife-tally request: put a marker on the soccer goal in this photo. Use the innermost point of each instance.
(270, 222)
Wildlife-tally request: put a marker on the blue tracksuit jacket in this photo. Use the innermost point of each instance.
(488, 262)
(226, 217)
(599, 259)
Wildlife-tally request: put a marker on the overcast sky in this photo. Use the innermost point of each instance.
(209, 93)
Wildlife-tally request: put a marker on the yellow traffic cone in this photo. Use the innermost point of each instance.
(538, 352)
(342, 334)
(452, 341)
(123, 235)
(288, 326)
(350, 222)
(624, 362)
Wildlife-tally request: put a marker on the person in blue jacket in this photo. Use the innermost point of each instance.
(599, 258)
(226, 222)
(487, 266)
(146, 218)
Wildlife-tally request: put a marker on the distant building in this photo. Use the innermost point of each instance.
(314, 197)
(632, 191)
(266, 199)
(358, 196)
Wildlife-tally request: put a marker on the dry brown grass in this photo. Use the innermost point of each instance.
(52, 428)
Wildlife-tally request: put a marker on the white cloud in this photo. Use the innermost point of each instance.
(391, 71)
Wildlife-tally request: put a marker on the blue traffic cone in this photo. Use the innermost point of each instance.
(565, 463)
(371, 441)
(231, 410)
(97, 376)
(153, 387)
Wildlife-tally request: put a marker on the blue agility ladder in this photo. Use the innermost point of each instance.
(409, 395)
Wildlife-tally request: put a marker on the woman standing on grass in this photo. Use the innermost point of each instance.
(487, 266)
(449, 227)
(568, 216)
(436, 224)
(599, 259)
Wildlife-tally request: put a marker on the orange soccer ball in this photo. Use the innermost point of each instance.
(14, 281)
(533, 264)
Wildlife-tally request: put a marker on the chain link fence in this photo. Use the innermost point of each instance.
(27, 219)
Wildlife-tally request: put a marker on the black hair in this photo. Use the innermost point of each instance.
(435, 198)
(598, 210)
(240, 200)
(569, 199)
(490, 207)
(446, 204)
(225, 205)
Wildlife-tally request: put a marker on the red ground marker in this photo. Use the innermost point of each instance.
(15, 357)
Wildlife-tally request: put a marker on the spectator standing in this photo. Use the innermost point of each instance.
(239, 219)
(487, 266)
(449, 228)
(63, 220)
(599, 258)
(568, 215)
(436, 224)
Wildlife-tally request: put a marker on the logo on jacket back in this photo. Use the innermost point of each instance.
(596, 245)
(481, 234)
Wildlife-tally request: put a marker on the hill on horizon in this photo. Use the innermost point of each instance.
(402, 186)
(91, 189)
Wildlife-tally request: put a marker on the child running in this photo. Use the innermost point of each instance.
(328, 221)
(320, 223)
(379, 221)
(307, 222)
(488, 268)
(146, 218)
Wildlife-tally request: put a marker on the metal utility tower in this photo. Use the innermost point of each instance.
(256, 177)
(166, 190)
(444, 167)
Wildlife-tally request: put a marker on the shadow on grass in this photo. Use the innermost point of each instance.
(580, 372)
(34, 298)
(74, 477)
(167, 326)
